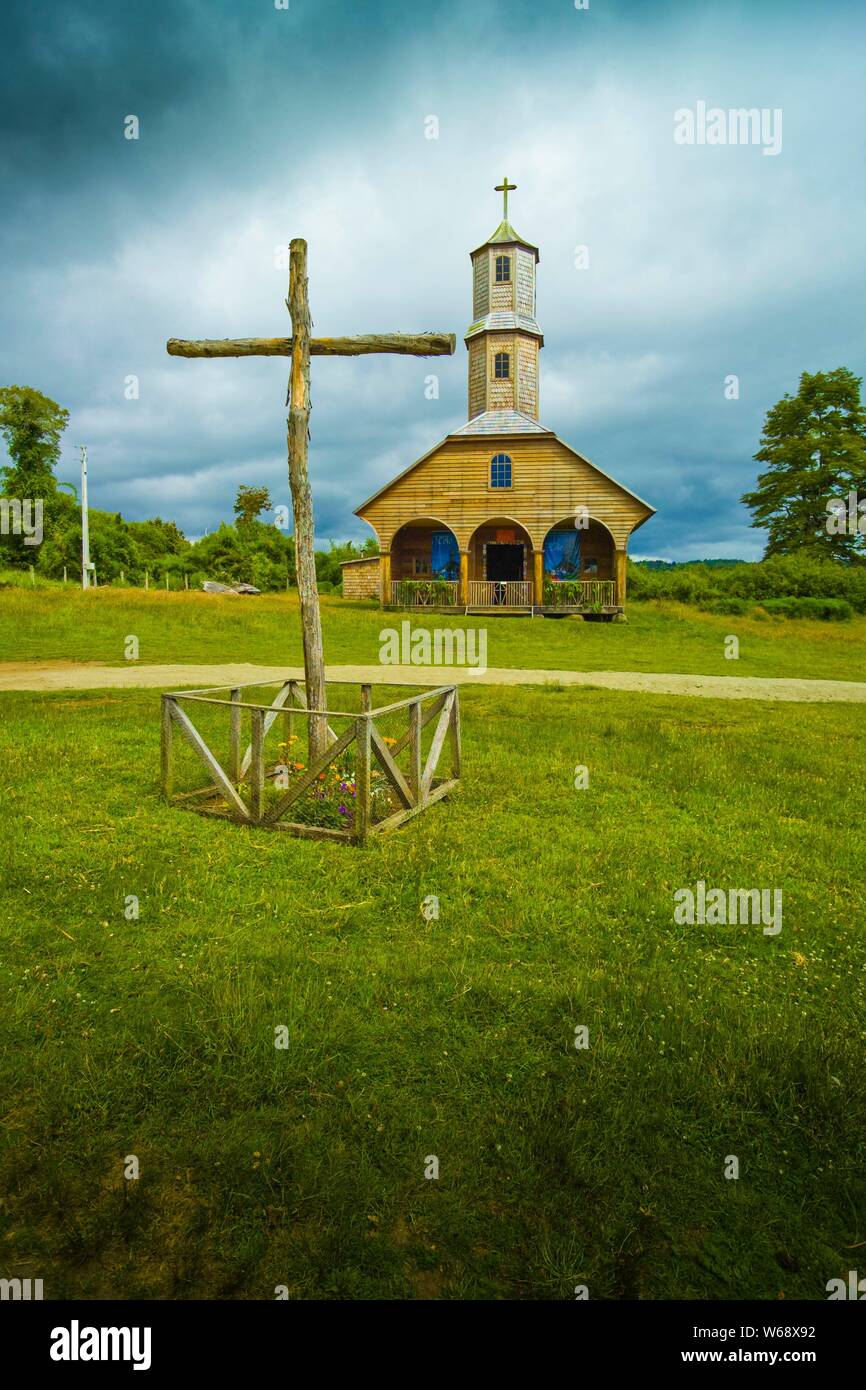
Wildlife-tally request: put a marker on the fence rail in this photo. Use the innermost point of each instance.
(496, 593)
(424, 593)
(580, 593)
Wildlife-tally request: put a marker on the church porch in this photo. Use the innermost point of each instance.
(583, 571)
(422, 569)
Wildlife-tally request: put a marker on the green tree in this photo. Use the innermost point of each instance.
(250, 503)
(814, 446)
(32, 425)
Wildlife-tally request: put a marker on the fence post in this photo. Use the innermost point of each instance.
(235, 738)
(415, 750)
(289, 718)
(167, 761)
(362, 779)
(257, 764)
(454, 732)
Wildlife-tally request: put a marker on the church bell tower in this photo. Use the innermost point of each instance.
(503, 339)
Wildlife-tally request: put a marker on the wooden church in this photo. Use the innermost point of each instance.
(502, 514)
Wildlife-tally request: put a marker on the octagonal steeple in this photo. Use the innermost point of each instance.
(503, 338)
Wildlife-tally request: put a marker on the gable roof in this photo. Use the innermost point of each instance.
(523, 425)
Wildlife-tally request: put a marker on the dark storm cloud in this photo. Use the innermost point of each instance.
(258, 124)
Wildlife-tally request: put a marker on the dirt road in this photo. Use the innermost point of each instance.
(46, 676)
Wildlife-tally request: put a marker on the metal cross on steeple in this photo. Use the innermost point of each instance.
(505, 188)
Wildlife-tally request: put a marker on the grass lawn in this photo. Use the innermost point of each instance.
(451, 1037)
(64, 624)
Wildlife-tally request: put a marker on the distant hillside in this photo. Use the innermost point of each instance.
(685, 564)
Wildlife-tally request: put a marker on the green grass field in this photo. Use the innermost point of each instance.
(450, 1037)
(62, 623)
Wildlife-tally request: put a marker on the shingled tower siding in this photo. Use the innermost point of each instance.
(503, 320)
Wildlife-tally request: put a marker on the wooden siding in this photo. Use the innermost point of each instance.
(362, 578)
(477, 376)
(526, 358)
(481, 286)
(550, 482)
(525, 283)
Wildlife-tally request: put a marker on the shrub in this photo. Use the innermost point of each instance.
(805, 575)
(724, 603)
(826, 609)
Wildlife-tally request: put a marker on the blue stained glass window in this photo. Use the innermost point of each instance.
(562, 555)
(444, 555)
(500, 471)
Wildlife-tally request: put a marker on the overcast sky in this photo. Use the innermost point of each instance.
(258, 124)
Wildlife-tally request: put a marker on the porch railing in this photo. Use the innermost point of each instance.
(424, 593)
(496, 593)
(579, 593)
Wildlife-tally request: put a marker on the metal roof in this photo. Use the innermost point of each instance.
(500, 422)
(506, 235)
(503, 320)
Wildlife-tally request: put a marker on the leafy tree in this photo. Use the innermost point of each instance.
(32, 425)
(328, 561)
(814, 446)
(250, 503)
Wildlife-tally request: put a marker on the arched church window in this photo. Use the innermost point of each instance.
(503, 270)
(500, 471)
(502, 366)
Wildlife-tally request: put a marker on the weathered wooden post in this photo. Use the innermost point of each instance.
(302, 502)
(300, 347)
(415, 751)
(235, 737)
(166, 748)
(362, 779)
(257, 764)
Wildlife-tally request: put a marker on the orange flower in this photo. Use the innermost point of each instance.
(299, 767)
(389, 741)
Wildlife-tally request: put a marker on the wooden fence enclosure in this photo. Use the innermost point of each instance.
(364, 783)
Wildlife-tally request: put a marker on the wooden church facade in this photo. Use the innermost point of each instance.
(502, 514)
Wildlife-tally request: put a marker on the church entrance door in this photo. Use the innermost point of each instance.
(503, 562)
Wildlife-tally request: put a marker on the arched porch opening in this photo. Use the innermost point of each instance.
(500, 565)
(579, 566)
(424, 568)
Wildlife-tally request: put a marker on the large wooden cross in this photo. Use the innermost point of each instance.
(505, 188)
(300, 347)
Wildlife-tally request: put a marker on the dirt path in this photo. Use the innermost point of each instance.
(49, 675)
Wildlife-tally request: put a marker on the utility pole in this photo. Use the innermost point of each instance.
(85, 528)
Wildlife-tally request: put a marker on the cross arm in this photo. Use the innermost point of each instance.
(408, 344)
